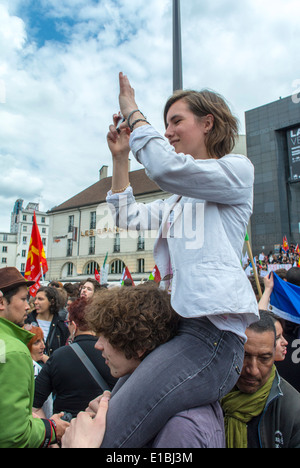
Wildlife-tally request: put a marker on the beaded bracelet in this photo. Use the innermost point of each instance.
(131, 114)
(121, 190)
(136, 121)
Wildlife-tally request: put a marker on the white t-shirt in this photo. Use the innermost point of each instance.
(45, 326)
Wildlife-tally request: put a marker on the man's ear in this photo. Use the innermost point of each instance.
(141, 353)
(1, 302)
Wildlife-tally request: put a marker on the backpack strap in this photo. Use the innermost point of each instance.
(90, 366)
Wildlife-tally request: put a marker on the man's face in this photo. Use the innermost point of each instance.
(87, 290)
(17, 310)
(258, 361)
(116, 360)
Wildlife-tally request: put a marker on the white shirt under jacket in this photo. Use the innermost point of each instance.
(201, 229)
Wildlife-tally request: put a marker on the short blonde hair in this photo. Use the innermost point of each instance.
(221, 139)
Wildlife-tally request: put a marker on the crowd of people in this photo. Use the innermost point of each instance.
(283, 259)
(117, 328)
(192, 362)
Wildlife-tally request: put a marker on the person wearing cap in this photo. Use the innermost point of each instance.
(18, 426)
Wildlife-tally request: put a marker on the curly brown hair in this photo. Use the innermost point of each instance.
(133, 319)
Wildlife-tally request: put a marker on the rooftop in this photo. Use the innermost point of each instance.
(97, 192)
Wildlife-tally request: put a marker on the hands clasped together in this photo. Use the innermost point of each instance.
(88, 429)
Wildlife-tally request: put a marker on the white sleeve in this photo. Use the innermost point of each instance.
(228, 180)
(128, 214)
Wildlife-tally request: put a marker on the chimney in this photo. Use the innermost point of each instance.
(103, 172)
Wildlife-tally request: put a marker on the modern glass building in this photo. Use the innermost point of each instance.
(273, 146)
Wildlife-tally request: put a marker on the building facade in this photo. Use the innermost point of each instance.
(273, 146)
(83, 235)
(14, 245)
(8, 249)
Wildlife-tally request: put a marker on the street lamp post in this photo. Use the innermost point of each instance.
(177, 52)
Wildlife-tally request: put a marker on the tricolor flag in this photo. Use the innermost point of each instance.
(285, 300)
(126, 275)
(36, 265)
(155, 275)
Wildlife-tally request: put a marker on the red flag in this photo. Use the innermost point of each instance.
(155, 275)
(97, 275)
(126, 275)
(36, 265)
(285, 245)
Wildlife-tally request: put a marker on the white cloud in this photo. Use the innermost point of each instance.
(56, 101)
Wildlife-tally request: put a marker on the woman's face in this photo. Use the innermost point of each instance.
(281, 343)
(186, 132)
(37, 350)
(42, 304)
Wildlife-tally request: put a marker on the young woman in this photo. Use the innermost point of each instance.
(46, 316)
(211, 205)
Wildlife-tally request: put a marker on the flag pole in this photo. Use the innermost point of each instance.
(177, 49)
(249, 250)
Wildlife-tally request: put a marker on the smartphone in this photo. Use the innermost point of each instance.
(121, 120)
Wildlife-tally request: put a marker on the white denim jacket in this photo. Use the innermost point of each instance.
(201, 229)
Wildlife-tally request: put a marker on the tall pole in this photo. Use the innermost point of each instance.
(177, 52)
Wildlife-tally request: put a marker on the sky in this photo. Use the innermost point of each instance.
(59, 65)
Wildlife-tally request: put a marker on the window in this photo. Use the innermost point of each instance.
(24, 240)
(70, 269)
(24, 217)
(44, 230)
(141, 265)
(117, 243)
(93, 220)
(24, 228)
(23, 253)
(5, 237)
(4, 260)
(90, 268)
(4, 249)
(22, 267)
(141, 242)
(44, 241)
(71, 223)
(92, 245)
(43, 220)
(117, 267)
(70, 248)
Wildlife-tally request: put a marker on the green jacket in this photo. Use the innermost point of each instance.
(18, 429)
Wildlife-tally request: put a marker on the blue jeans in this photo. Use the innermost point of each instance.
(197, 367)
